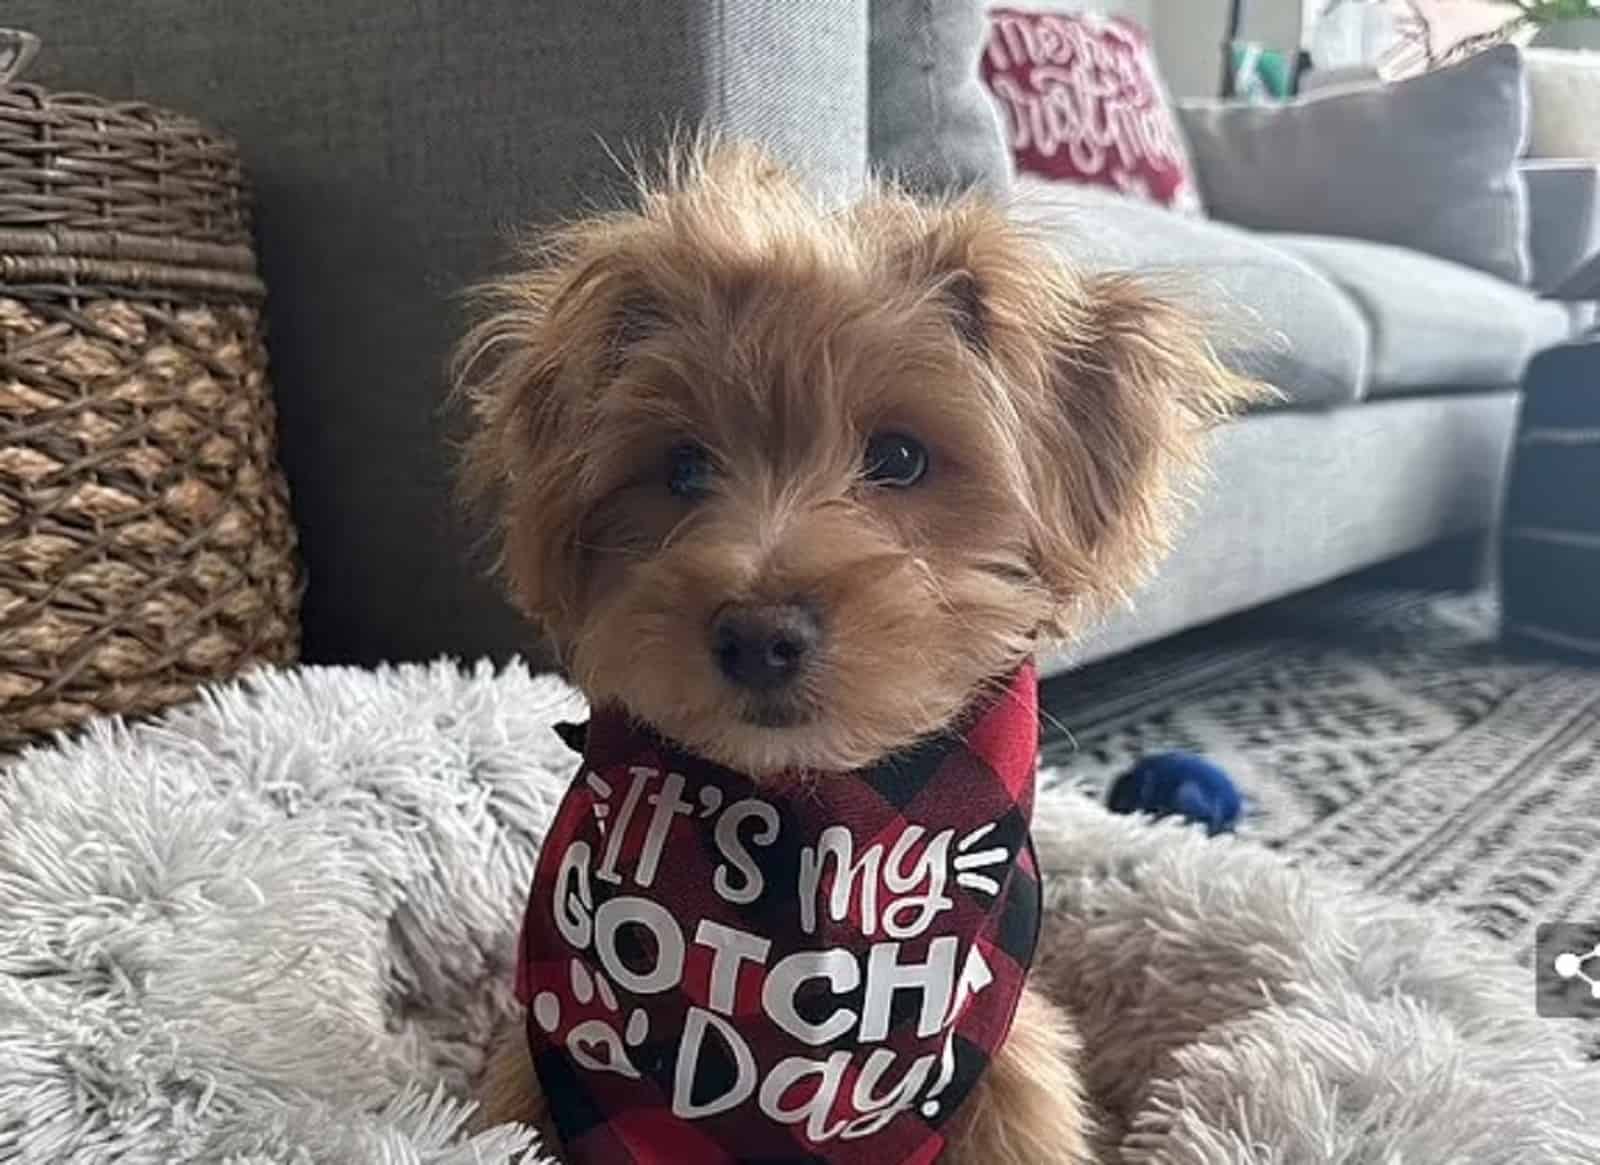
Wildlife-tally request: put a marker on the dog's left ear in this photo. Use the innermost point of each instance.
(1127, 387)
(1113, 389)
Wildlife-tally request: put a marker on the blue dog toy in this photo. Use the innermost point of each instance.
(1178, 783)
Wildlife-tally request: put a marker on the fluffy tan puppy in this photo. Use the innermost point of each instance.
(795, 486)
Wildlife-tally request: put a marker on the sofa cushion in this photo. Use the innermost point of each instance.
(931, 123)
(1428, 163)
(1276, 317)
(1435, 324)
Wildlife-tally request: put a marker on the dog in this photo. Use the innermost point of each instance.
(792, 490)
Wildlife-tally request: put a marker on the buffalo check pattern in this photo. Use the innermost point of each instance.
(813, 969)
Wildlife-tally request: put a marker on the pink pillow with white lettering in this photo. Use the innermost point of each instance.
(1084, 103)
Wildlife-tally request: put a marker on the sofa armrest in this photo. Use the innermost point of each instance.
(1564, 219)
(392, 147)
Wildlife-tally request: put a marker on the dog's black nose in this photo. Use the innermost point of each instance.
(764, 647)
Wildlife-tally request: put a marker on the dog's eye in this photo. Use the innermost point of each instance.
(893, 459)
(689, 471)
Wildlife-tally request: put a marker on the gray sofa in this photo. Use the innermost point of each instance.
(1398, 372)
(393, 147)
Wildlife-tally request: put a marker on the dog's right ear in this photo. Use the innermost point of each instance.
(529, 370)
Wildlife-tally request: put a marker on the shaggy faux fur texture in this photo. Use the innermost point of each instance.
(278, 927)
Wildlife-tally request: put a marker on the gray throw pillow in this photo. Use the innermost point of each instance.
(931, 122)
(1428, 163)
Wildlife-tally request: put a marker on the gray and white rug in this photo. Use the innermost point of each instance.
(1378, 731)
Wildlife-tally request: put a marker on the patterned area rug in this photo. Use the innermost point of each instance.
(1379, 731)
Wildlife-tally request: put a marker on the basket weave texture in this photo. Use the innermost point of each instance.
(146, 545)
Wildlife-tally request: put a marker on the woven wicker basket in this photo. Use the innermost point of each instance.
(145, 539)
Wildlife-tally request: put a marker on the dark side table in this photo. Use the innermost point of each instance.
(1550, 536)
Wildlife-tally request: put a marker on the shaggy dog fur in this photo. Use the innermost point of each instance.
(730, 337)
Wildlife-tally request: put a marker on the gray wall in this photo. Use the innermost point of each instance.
(1188, 37)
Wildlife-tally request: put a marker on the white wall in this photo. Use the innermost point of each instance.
(1313, 9)
(1188, 37)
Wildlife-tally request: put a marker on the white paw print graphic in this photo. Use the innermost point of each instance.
(594, 1043)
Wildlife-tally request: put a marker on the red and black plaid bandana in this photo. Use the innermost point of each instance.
(809, 970)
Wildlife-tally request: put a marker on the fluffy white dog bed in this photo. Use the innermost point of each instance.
(278, 927)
